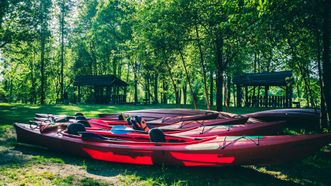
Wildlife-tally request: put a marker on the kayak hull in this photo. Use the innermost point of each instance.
(213, 151)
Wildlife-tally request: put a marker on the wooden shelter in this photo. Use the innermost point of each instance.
(107, 88)
(266, 80)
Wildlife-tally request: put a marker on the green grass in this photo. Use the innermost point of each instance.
(30, 165)
(19, 112)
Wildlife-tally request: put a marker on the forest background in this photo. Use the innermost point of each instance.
(169, 51)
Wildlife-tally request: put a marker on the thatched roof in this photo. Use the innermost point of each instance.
(264, 79)
(99, 80)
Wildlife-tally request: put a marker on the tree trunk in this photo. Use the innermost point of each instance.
(94, 70)
(225, 88)
(254, 66)
(203, 67)
(156, 88)
(211, 92)
(115, 66)
(326, 58)
(219, 71)
(62, 50)
(147, 95)
(172, 79)
(127, 80)
(188, 80)
(258, 69)
(42, 52)
(185, 93)
(307, 96)
(323, 118)
(304, 73)
(311, 97)
(135, 83)
(173, 84)
(234, 94)
(298, 89)
(33, 81)
(165, 89)
(228, 92)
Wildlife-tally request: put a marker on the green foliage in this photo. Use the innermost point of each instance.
(149, 41)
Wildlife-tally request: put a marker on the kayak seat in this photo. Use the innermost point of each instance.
(92, 136)
(84, 122)
(135, 126)
(122, 117)
(75, 128)
(140, 124)
(129, 121)
(156, 135)
(80, 118)
(79, 114)
(61, 119)
(138, 119)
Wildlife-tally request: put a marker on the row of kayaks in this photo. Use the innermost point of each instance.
(177, 136)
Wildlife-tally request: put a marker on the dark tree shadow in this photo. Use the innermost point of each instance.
(166, 174)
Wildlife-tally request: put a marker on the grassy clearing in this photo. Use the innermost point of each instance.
(18, 112)
(29, 165)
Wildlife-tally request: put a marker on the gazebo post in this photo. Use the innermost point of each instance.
(289, 93)
(286, 97)
(266, 89)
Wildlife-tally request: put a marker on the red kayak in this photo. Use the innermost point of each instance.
(107, 124)
(127, 132)
(308, 118)
(115, 121)
(168, 123)
(155, 114)
(104, 123)
(166, 116)
(259, 128)
(182, 151)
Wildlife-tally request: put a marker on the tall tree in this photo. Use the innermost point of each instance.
(64, 6)
(45, 6)
(326, 56)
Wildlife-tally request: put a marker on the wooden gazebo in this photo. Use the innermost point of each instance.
(107, 88)
(265, 79)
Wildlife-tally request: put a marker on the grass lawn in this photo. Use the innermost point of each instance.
(29, 165)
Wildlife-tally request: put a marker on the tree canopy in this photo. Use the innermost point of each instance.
(168, 51)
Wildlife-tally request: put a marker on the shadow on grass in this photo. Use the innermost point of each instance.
(160, 174)
(313, 170)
